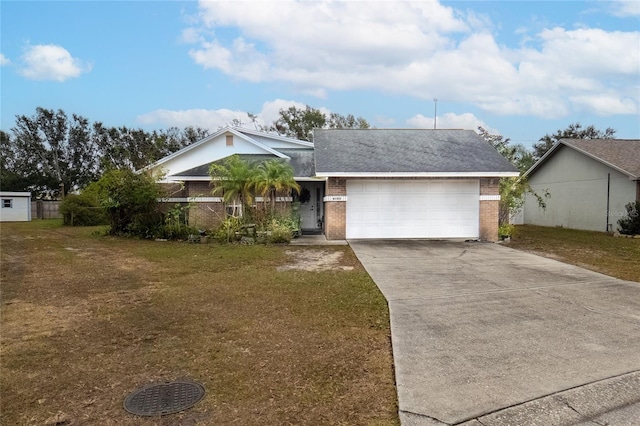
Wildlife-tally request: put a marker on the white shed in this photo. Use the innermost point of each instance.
(15, 206)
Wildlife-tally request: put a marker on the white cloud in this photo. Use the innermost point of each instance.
(51, 62)
(422, 49)
(466, 121)
(213, 119)
(205, 118)
(4, 60)
(625, 8)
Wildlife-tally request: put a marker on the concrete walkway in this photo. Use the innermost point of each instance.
(486, 335)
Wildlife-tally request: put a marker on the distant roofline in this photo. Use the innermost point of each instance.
(567, 142)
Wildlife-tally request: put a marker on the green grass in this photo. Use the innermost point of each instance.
(598, 251)
(87, 319)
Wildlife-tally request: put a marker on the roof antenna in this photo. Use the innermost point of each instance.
(435, 112)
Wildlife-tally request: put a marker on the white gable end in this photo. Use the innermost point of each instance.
(212, 150)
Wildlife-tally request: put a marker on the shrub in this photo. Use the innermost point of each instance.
(505, 230)
(630, 225)
(83, 210)
(279, 233)
(131, 202)
(228, 230)
(175, 224)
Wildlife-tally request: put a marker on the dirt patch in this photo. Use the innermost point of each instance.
(86, 321)
(315, 260)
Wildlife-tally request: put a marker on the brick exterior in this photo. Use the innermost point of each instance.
(199, 189)
(336, 211)
(174, 190)
(489, 209)
(209, 215)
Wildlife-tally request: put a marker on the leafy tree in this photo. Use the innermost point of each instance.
(573, 131)
(234, 179)
(84, 209)
(274, 176)
(512, 189)
(299, 123)
(123, 147)
(131, 202)
(10, 180)
(52, 152)
(337, 121)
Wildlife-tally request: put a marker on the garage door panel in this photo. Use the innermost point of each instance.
(413, 209)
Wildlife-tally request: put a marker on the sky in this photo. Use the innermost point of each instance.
(521, 69)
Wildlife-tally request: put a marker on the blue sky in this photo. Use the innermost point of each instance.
(519, 68)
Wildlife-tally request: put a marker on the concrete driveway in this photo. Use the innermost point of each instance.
(487, 335)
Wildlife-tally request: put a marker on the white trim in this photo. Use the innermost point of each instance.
(191, 200)
(274, 136)
(418, 174)
(15, 194)
(173, 178)
(220, 132)
(309, 179)
(490, 198)
(334, 198)
(278, 199)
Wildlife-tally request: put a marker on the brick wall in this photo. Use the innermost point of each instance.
(336, 211)
(174, 190)
(489, 209)
(202, 189)
(206, 215)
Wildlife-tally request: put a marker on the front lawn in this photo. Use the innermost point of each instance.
(598, 251)
(87, 319)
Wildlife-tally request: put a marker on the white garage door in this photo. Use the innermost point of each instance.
(413, 208)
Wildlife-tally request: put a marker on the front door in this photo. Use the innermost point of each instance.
(311, 211)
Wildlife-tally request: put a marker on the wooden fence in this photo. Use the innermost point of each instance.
(45, 209)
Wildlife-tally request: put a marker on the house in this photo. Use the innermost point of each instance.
(15, 206)
(361, 183)
(589, 182)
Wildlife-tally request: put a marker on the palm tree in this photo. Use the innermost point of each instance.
(274, 176)
(235, 181)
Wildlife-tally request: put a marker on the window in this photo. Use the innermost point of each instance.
(234, 210)
(229, 140)
(7, 203)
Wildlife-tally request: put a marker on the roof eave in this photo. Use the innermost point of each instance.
(568, 144)
(418, 174)
(606, 163)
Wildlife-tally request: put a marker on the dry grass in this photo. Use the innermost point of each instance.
(598, 251)
(87, 319)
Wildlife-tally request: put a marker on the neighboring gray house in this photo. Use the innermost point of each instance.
(357, 183)
(589, 182)
(15, 206)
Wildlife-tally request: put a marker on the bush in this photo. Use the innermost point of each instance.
(83, 210)
(131, 202)
(279, 233)
(505, 230)
(630, 225)
(229, 230)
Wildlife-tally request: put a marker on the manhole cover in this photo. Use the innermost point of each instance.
(164, 398)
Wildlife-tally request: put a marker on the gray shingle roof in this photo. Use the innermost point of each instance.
(301, 161)
(344, 151)
(623, 154)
